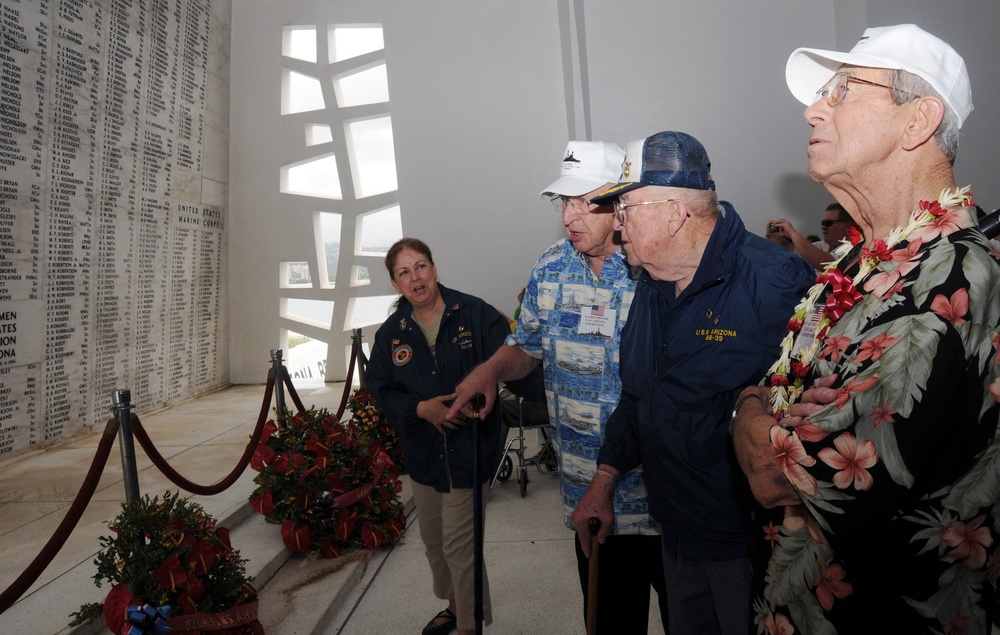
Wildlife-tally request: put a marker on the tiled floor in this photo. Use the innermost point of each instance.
(528, 551)
(529, 557)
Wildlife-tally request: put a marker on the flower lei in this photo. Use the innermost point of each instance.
(787, 374)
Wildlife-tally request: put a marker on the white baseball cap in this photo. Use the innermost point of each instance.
(901, 47)
(587, 166)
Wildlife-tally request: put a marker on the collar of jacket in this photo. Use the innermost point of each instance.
(726, 237)
(453, 301)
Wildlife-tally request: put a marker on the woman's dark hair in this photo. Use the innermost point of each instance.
(416, 245)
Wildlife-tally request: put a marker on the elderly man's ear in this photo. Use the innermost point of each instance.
(677, 215)
(927, 113)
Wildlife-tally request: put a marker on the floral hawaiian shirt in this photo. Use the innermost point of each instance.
(899, 477)
(582, 382)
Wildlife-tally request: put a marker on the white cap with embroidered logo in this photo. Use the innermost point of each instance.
(586, 166)
(901, 47)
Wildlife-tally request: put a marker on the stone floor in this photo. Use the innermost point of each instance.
(529, 553)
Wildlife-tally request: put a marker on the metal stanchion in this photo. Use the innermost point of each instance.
(362, 361)
(279, 384)
(122, 404)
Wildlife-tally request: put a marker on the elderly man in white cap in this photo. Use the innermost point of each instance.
(575, 305)
(881, 477)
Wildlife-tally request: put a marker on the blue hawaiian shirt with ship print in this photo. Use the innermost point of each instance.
(572, 321)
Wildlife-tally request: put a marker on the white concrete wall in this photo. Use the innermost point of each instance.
(484, 96)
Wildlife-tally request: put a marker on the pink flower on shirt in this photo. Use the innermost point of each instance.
(771, 533)
(954, 308)
(778, 624)
(844, 392)
(969, 541)
(941, 226)
(882, 414)
(874, 348)
(957, 625)
(791, 458)
(830, 584)
(833, 347)
(852, 460)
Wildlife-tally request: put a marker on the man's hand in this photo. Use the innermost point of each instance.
(751, 436)
(780, 231)
(481, 381)
(813, 400)
(436, 411)
(596, 503)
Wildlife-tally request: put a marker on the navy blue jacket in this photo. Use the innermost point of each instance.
(684, 360)
(401, 373)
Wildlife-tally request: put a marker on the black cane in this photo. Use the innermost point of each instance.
(594, 524)
(477, 511)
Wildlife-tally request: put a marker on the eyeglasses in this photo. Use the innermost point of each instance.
(829, 223)
(577, 204)
(621, 207)
(836, 89)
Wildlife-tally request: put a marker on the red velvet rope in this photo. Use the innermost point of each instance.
(195, 488)
(69, 521)
(287, 381)
(90, 482)
(349, 381)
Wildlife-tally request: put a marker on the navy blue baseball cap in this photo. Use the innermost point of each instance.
(669, 159)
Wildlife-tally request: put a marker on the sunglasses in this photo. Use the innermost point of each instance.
(829, 223)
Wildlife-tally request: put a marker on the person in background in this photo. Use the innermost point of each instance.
(574, 308)
(434, 338)
(836, 225)
(871, 441)
(708, 314)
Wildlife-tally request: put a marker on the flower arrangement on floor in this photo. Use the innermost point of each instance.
(372, 426)
(331, 487)
(172, 569)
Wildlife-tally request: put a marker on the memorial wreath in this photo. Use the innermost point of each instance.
(172, 569)
(332, 486)
(372, 426)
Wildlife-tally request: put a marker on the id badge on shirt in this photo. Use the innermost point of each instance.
(808, 332)
(597, 319)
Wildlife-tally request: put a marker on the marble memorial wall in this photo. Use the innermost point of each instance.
(110, 275)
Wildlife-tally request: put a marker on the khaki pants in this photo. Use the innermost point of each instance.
(447, 531)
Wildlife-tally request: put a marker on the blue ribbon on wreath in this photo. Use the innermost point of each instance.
(324, 508)
(147, 620)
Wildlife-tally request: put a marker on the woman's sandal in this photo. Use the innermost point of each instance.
(440, 628)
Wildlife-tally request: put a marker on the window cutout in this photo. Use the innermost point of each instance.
(317, 133)
(318, 313)
(377, 231)
(294, 275)
(369, 310)
(306, 359)
(356, 381)
(367, 86)
(346, 42)
(312, 177)
(359, 276)
(329, 241)
(299, 42)
(373, 159)
(300, 93)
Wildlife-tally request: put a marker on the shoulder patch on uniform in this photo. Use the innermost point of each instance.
(401, 355)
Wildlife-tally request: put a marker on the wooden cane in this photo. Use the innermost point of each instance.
(594, 524)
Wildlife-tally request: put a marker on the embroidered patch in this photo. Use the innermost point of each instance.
(401, 355)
